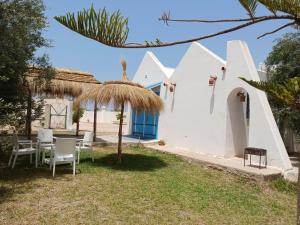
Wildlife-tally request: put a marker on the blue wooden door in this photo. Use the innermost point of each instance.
(144, 125)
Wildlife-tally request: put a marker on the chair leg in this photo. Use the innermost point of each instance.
(30, 158)
(50, 163)
(39, 155)
(36, 159)
(10, 158)
(14, 162)
(74, 163)
(53, 168)
(93, 158)
(43, 156)
(78, 157)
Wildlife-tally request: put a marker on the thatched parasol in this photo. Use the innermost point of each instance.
(65, 83)
(122, 92)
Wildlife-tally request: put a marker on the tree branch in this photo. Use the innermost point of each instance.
(252, 22)
(276, 30)
(166, 18)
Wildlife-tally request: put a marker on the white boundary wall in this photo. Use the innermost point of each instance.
(103, 116)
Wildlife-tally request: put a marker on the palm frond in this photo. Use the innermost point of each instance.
(250, 6)
(107, 29)
(288, 92)
(287, 6)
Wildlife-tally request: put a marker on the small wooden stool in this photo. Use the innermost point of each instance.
(255, 151)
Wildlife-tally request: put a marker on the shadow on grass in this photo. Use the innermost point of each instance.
(26, 174)
(5, 193)
(131, 162)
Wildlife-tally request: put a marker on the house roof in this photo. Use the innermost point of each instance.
(168, 71)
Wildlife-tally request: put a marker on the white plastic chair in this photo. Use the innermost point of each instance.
(45, 142)
(85, 144)
(29, 150)
(64, 152)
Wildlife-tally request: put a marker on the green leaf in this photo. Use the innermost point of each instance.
(287, 6)
(287, 93)
(250, 6)
(100, 26)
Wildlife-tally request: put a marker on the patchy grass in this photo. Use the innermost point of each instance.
(147, 188)
(284, 186)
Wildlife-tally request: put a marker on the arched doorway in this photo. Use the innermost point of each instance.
(238, 122)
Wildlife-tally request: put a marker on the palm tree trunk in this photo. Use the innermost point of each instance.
(95, 121)
(120, 135)
(28, 116)
(77, 127)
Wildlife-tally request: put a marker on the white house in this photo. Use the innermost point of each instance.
(219, 119)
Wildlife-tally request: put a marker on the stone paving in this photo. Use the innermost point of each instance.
(233, 165)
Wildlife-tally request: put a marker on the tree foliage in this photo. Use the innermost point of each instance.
(77, 114)
(112, 30)
(288, 92)
(21, 25)
(100, 26)
(283, 86)
(284, 60)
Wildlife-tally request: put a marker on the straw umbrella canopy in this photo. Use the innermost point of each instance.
(121, 92)
(65, 83)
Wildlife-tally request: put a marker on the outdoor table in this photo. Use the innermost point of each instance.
(255, 151)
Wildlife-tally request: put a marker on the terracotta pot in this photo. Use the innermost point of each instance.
(242, 98)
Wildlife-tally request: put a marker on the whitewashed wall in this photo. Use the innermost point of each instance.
(151, 71)
(209, 119)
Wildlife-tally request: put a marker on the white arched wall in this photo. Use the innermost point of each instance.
(263, 130)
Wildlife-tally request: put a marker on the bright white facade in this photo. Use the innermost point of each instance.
(212, 119)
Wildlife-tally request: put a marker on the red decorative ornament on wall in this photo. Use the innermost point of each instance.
(172, 87)
(212, 80)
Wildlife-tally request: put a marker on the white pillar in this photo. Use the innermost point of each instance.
(69, 120)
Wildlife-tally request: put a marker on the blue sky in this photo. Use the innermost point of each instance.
(71, 50)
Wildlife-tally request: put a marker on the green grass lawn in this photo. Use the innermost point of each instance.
(147, 188)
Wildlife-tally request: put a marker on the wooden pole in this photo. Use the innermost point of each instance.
(120, 135)
(95, 121)
(28, 116)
